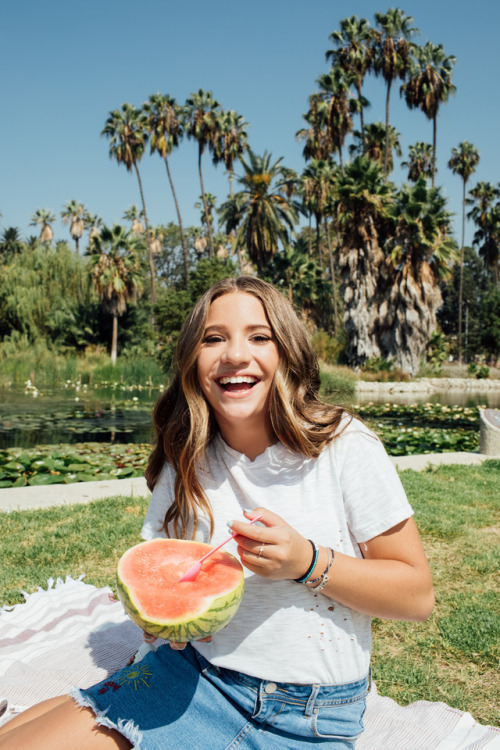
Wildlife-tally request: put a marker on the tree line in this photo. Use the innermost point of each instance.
(372, 264)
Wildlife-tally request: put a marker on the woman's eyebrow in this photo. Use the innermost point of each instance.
(250, 327)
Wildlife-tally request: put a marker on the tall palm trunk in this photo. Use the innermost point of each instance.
(434, 139)
(210, 239)
(181, 227)
(332, 276)
(361, 119)
(386, 150)
(148, 239)
(114, 339)
(461, 285)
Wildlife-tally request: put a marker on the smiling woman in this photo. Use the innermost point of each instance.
(237, 362)
(242, 436)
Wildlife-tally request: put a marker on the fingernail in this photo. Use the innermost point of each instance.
(248, 510)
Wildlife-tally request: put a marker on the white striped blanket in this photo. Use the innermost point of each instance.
(76, 634)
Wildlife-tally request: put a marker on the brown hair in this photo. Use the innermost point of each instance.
(183, 420)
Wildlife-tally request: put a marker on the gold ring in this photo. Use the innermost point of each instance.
(261, 549)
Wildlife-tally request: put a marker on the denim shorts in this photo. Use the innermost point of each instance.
(177, 699)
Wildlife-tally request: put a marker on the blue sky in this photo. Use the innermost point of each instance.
(66, 65)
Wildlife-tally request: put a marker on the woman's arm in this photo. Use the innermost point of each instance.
(392, 580)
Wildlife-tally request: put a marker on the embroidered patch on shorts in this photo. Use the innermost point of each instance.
(136, 675)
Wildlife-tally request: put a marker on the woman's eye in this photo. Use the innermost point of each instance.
(260, 339)
(211, 339)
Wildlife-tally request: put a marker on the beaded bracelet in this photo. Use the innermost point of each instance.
(305, 577)
(324, 577)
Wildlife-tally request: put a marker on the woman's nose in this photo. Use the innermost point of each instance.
(235, 351)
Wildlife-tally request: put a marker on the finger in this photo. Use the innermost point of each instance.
(148, 637)
(178, 645)
(208, 639)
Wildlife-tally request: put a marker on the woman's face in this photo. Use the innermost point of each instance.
(237, 361)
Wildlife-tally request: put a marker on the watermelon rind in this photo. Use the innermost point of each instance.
(216, 615)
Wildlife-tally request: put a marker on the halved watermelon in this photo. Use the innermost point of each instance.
(147, 582)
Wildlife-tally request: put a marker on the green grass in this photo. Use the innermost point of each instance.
(453, 657)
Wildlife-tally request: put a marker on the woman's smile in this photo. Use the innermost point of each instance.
(237, 361)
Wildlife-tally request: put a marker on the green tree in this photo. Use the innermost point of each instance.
(73, 213)
(486, 216)
(10, 243)
(475, 285)
(232, 143)
(464, 160)
(392, 57)
(126, 129)
(165, 125)
(419, 162)
(202, 124)
(317, 137)
(116, 273)
(261, 214)
(353, 53)
(420, 252)
(361, 213)
(93, 224)
(429, 85)
(44, 217)
(491, 324)
(374, 144)
(334, 90)
(134, 215)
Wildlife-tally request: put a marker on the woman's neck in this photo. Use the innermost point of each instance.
(250, 442)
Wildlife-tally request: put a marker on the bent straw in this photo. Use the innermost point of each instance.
(195, 569)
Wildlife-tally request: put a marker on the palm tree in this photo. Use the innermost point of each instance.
(260, 214)
(164, 122)
(127, 133)
(202, 118)
(421, 252)
(392, 56)
(464, 160)
(232, 143)
(318, 143)
(45, 217)
(374, 143)
(73, 213)
(334, 90)
(361, 203)
(429, 85)
(93, 224)
(115, 256)
(11, 242)
(134, 215)
(419, 161)
(486, 216)
(353, 53)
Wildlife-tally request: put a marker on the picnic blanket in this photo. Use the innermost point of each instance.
(76, 634)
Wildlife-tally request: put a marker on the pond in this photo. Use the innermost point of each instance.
(76, 414)
(122, 414)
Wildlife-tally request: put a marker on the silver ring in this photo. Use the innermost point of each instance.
(261, 550)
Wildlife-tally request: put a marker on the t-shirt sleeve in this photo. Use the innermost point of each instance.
(161, 499)
(373, 496)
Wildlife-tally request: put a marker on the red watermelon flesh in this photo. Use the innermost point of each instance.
(147, 582)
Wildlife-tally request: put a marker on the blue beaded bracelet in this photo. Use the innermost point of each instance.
(313, 564)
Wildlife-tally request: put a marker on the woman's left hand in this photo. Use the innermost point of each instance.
(274, 550)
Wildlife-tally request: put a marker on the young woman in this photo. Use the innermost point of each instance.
(240, 432)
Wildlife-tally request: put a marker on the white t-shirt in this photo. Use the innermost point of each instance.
(284, 631)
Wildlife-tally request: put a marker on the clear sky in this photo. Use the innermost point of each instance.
(66, 65)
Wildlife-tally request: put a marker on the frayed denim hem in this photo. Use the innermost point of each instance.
(127, 728)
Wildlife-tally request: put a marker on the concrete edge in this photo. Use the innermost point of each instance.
(24, 498)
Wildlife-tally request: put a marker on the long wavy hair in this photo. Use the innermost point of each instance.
(184, 422)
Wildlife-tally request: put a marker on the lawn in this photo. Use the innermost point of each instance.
(453, 657)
